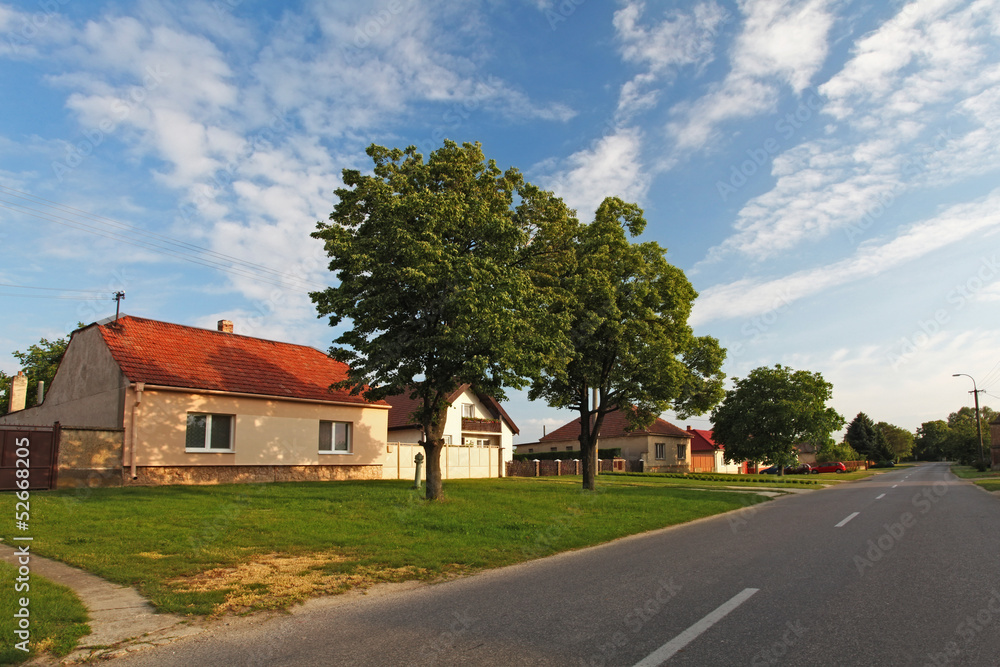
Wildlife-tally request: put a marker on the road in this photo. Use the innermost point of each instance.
(898, 569)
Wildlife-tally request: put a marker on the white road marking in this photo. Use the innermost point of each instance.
(847, 519)
(880, 497)
(895, 485)
(665, 652)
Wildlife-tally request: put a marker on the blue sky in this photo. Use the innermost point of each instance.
(825, 172)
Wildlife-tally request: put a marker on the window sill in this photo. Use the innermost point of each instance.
(336, 453)
(209, 451)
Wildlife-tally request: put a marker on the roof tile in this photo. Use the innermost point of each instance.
(173, 355)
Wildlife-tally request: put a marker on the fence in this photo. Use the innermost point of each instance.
(457, 461)
(538, 468)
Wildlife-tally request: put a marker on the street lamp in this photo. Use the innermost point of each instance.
(979, 427)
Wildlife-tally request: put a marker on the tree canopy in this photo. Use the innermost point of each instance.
(861, 435)
(444, 272)
(900, 440)
(766, 413)
(627, 310)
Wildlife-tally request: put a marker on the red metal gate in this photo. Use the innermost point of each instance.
(31, 448)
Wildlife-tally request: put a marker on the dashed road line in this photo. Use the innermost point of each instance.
(665, 652)
(849, 517)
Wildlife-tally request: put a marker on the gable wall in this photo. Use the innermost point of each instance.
(87, 391)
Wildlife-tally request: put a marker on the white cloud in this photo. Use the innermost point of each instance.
(748, 297)
(611, 167)
(920, 96)
(780, 43)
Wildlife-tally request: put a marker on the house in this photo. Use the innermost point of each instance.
(995, 444)
(478, 435)
(709, 456)
(662, 446)
(195, 405)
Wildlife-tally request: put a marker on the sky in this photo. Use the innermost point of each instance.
(825, 172)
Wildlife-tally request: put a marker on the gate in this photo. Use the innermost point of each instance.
(41, 444)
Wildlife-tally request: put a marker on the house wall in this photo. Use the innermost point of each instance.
(88, 389)
(90, 457)
(268, 434)
(633, 448)
(453, 427)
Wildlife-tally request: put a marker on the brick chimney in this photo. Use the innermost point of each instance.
(18, 392)
(225, 326)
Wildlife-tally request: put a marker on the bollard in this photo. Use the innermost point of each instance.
(419, 460)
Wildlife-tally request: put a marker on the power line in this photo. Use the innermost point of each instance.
(152, 241)
(52, 296)
(56, 289)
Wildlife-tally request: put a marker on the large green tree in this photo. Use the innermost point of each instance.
(933, 441)
(899, 439)
(39, 363)
(442, 271)
(964, 441)
(861, 436)
(629, 338)
(770, 410)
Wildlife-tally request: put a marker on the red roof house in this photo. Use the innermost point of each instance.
(204, 406)
(709, 456)
(478, 434)
(662, 446)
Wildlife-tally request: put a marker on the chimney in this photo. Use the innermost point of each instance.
(18, 392)
(225, 326)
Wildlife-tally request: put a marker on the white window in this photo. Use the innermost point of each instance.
(208, 433)
(482, 443)
(661, 451)
(447, 440)
(334, 437)
(468, 411)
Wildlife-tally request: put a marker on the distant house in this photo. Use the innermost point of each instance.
(478, 434)
(709, 456)
(662, 447)
(201, 406)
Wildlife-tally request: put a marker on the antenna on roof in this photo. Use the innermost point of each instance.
(118, 303)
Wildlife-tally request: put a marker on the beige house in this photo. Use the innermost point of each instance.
(662, 447)
(203, 406)
(478, 434)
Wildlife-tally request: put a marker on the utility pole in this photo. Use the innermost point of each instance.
(979, 427)
(118, 303)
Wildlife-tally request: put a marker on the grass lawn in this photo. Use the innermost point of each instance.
(989, 480)
(58, 618)
(239, 548)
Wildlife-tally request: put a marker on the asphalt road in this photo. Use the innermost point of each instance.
(899, 569)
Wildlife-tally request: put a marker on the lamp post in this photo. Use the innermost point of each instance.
(979, 426)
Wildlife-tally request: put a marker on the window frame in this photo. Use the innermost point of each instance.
(660, 451)
(207, 447)
(331, 424)
(682, 452)
(468, 411)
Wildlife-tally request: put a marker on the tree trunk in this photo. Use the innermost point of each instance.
(589, 461)
(432, 454)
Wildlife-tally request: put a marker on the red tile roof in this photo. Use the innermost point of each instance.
(701, 441)
(173, 355)
(615, 426)
(403, 407)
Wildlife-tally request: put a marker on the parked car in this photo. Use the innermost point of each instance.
(773, 470)
(801, 469)
(835, 466)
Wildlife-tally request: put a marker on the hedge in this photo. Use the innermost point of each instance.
(612, 453)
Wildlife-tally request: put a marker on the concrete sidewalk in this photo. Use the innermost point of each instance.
(121, 620)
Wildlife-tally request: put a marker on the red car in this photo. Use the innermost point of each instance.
(829, 467)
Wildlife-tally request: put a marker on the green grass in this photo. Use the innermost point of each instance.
(285, 542)
(968, 472)
(58, 618)
(698, 479)
(989, 479)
